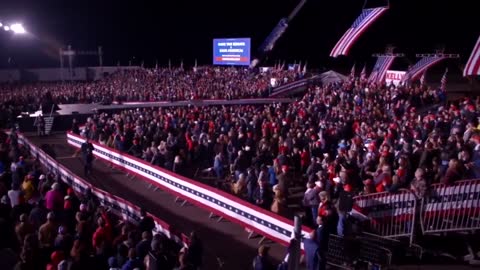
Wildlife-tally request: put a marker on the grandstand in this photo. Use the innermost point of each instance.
(244, 164)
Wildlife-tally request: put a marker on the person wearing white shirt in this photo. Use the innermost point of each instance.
(14, 195)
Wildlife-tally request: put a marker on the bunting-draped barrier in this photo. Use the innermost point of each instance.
(444, 209)
(119, 206)
(452, 208)
(261, 221)
(285, 89)
(392, 215)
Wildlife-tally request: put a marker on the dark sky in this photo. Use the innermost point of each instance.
(159, 30)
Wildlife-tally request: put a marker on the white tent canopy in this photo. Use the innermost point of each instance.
(332, 77)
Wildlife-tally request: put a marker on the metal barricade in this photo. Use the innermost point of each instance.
(391, 215)
(349, 253)
(336, 254)
(453, 208)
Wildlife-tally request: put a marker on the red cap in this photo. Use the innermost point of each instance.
(67, 205)
(57, 257)
(69, 191)
(368, 182)
(347, 188)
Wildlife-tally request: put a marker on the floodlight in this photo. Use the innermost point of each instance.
(1, 24)
(6, 28)
(18, 28)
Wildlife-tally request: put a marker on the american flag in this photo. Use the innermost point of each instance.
(380, 69)
(443, 81)
(421, 66)
(360, 25)
(363, 74)
(472, 68)
(422, 79)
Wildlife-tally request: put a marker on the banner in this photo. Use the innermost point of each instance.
(394, 76)
(232, 51)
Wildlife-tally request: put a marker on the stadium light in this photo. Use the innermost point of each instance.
(1, 24)
(18, 28)
(6, 28)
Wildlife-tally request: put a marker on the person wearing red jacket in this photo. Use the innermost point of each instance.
(304, 160)
(102, 238)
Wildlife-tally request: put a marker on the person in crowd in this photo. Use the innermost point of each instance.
(87, 156)
(218, 166)
(311, 201)
(40, 124)
(262, 261)
(54, 199)
(194, 254)
(133, 261)
(147, 224)
(28, 188)
(56, 258)
(23, 228)
(239, 188)
(38, 215)
(157, 257)
(419, 184)
(143, 247)
(102, 237)
(64, 241)
(312, 249)
(279, 205)
(47, 232)
(183, 263)
(263, 195)
(14, 195)
(453, 173)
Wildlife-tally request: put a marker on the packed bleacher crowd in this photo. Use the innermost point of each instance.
(338, 140)
(144, 85)
(344, 137)
(44, 224)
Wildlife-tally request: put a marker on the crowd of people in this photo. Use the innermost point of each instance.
(144, 85)
(349, 136)
(338, 140)
(46, 225)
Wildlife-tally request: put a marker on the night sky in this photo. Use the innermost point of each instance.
(159, 30)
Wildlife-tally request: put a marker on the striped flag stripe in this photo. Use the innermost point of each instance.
(340, 42)
(422, 79)
(383, 70)
(422, 65)
(430, 62)
(363, 74)
(473, 64)
(376, 68)
(380, 69)
(360, 25)
(443, 81)
(357, 32)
